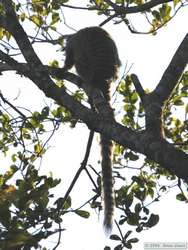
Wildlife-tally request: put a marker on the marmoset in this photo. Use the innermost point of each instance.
(94, 54)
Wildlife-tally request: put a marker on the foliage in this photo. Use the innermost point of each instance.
(29, 210)
(26, 214)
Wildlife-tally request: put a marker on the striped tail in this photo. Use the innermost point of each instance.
(107, 184)
(106, 164)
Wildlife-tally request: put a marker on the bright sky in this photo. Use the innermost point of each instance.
(150, 56)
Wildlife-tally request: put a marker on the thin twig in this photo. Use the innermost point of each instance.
(83, 166)
(12, 106)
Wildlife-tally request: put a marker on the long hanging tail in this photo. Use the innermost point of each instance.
(106, 163)
(107, 183)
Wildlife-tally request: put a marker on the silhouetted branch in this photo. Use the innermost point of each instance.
(173, 72)
(148, 142)
(138, 87)
(82, 167)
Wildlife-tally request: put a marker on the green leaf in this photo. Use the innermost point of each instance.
(181, 197)
(2, 32)
(178, 102)
(128, 245)
(39, 149)
(118, 247)
(45, 112)
(146, 210)
(61, 204)
(122, 221)
(165, 12)
(186, 109)
(115, 237)
(55, 18)
(37, 20)
(137, 208)
(151, 192)
(68, 203)
(134, 97)
(127, 234)
(156, 14)
(54, 63)
(22, 16)
(133, 219)
(133, 240)
(175, 2)
(98, 2)
(83, 213)
(139, 229)
(153, 220)
(121, 86)
(107, 248)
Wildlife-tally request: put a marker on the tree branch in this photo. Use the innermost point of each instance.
(154, 103)
(154, 148)
(145, 142)
(138, 87)
(173, 72)
(139, 8)
(120, 10)
(82, 167)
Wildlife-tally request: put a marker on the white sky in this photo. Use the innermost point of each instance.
(150, 56)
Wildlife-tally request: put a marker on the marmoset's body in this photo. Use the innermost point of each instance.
(94, 55)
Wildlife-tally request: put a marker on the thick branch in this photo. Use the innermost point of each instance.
(23, 67)
(155, 101)
(10, 22)
(146, 143)
(173, 72)
(155, 149)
